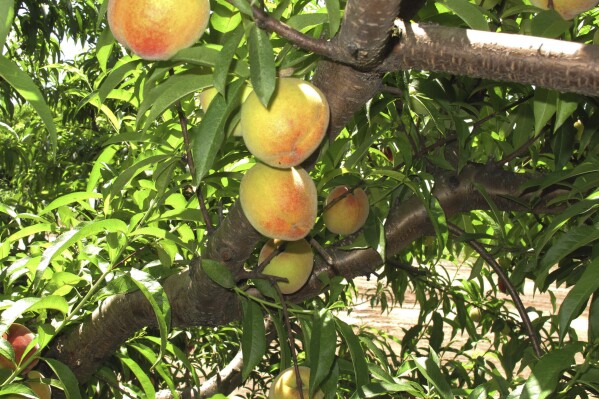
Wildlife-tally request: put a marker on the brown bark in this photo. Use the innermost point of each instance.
(554, 64)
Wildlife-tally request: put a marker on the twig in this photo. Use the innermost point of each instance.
(534, 338)
(291, 341)
(190, 162)
(322, 252)
(523, 148)
(317, 46)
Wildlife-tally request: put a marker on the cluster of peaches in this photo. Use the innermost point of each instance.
(277, 195)
(20, 338)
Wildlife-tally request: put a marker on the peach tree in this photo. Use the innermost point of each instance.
(469, 125)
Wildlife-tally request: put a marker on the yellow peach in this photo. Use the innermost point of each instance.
(157, 29)
(285, 385)
(348, 214)
(568, 9)
(294, 263)
(279, 203)
(291, 128)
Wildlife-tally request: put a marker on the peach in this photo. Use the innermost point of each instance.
(157, 29)
(19, 337)
(285, 386)
(279, 203)
(568, 9)
(291, 128)
(294, 263)
(347, 215)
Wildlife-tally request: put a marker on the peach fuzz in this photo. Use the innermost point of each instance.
(291, 128)
(284, 386)
(157, 29)
(279, 203)
(19, 336)
(347, 215)
(568, 9)
(294, 263)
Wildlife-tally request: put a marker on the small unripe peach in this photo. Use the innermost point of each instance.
(294, 263)
(348, 214)
(291, 128)
(568, 9)
(157, 29)
(279, 203)
(19, 337)
(284, 386)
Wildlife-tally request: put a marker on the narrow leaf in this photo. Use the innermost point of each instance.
(225, 58)
(262, 64)
(594, 318)
(154, 293)
(334, 11)
(469, 13)
(544, 107)
(431, 371)
(218, 273)
(25, 86)
(546, 373)
(578, 297)
(14, 311)
(253, 340)
(322, 348)
(66, 376)
(140, 374)
(356, 351)
(7, 14)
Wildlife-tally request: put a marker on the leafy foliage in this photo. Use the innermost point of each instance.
(99, 197)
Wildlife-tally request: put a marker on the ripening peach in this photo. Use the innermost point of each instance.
(279, 203)
(157, 29)
(42, 390)
(568, 9)
(291, 128)
(347, 215)
(294, 263)
(284, 386)
(19, 336)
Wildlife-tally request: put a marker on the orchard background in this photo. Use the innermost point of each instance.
(471, 125)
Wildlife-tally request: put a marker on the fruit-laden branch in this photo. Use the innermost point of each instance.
(554, 64)
(192, 294)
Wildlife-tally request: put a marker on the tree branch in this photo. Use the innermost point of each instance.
(554, 64)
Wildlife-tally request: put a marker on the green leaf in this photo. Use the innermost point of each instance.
(158, 299)
(431, 371)
(356, 351)
(244, 6)
(6, 349)
(16, 309)
(378, 389)
(469, 13)
(66, 376)
(334, 11)
(546, 373)
(578, 296)
(83, 230)
(593, 331)
(567, 103)
(570, 241)
(253, 340)
(166, 94)
(140, 374)
(7, 14)
(262, 64)
(225, 58)
(69, 199)
(208, 135)
(322, 348)
(544, 105)
(218, 273)
(548, 23)
(25, 86)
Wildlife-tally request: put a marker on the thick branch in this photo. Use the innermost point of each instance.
(554, 64)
